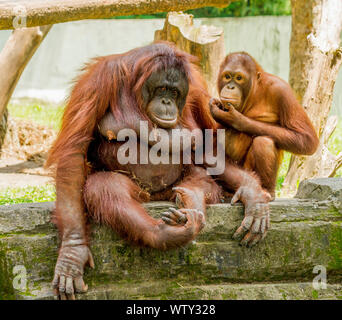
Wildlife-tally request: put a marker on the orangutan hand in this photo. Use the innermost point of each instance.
(68, 278)
(256, 222)
(225, 113)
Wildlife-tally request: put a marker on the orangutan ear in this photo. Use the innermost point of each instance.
(258, 75)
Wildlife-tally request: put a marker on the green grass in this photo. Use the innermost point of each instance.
(282, 171)
(27, 194)
(49, 115)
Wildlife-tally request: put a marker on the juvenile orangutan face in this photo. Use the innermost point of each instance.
(235, 80)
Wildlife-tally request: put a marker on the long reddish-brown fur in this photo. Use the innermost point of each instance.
(115, 82)
(109, 82)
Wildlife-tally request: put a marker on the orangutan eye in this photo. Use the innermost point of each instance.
(227, 76)
(238, 78)
(160, 90)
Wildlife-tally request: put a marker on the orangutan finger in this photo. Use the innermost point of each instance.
(256, 225)
(169, 221)
(55, 281)
(239, 233)
(263, 225)
(247, 238)
(179, 214)
(247, 222)
(61, 287)
(80, 286)
(69, 286)
(236, 197)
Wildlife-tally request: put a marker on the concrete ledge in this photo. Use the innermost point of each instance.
(304, 233)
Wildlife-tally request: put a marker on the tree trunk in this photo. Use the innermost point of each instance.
(43, 12)
(14, 57)
(3, 127)
(315, 58)
(204, 42)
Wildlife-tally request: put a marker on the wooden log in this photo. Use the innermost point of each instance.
(204, 42)
(18, 50)
(44, 12)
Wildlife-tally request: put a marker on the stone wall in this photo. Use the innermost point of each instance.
(305, 232)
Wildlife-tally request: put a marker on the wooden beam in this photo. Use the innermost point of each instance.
(45, 12)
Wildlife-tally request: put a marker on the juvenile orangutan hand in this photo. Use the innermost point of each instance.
(225, 113)
(68, 278)
(256, 222)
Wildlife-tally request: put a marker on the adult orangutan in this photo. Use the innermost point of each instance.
(157, 84)
(262, 118)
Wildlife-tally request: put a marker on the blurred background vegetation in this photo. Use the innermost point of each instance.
(236, 9)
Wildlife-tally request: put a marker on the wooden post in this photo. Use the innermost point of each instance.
(18, 50)
(204, 42)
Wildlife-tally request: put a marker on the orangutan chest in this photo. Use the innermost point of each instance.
(149, 175)
(155, 177)
(238, 143)
(263, 112)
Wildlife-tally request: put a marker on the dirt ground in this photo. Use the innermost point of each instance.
(16, 173)
(23, 155)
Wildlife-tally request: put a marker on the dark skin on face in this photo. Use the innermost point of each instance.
(165, 93)
(261, 117)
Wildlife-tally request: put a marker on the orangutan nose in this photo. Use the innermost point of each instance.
(166, 101)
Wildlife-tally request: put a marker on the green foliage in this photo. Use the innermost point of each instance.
(246, 8)
(49, 115)
(236, 9)
(27, 194)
